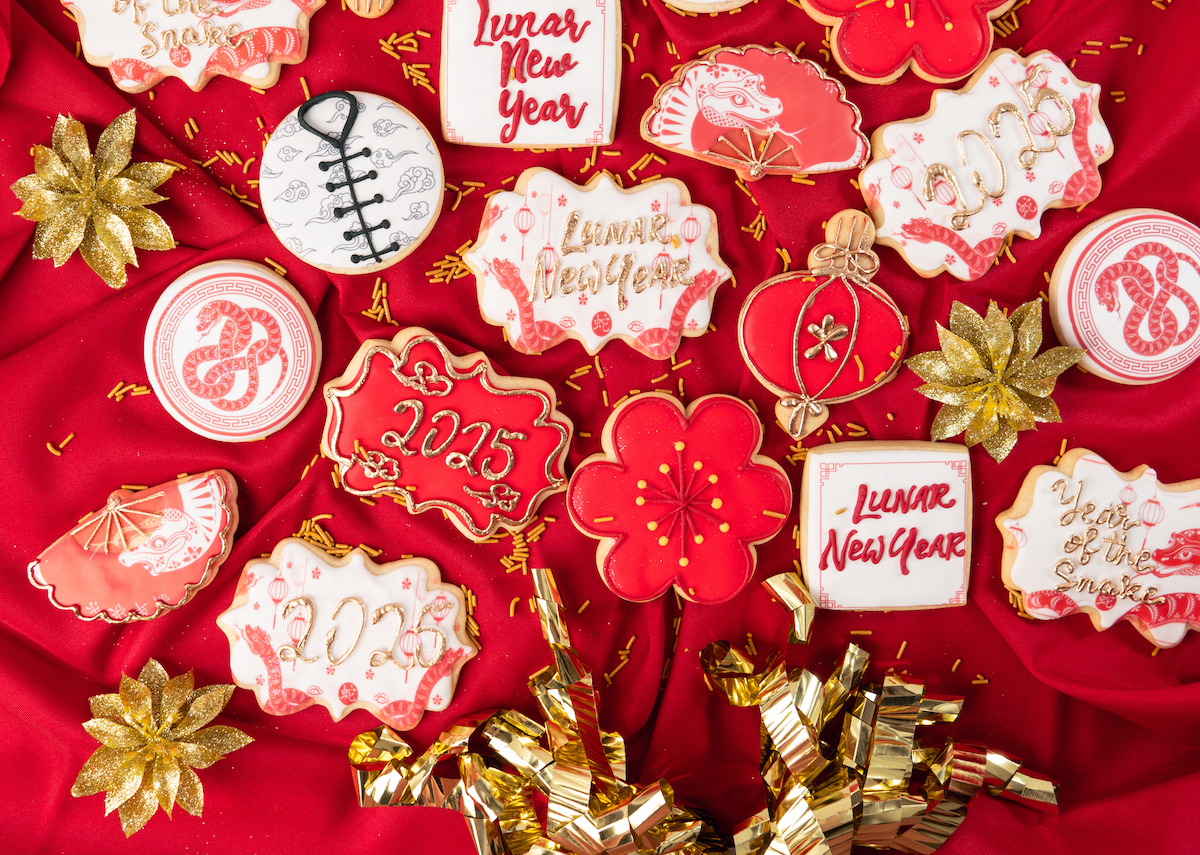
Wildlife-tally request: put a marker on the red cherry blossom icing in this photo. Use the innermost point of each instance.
(943, 40)
(446, 432)
(679, 497)
(143, 553)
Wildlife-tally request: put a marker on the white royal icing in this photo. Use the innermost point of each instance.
(923, 230)
(887, 527)
(530, 72)
(1127, 290)
(304, 212)
(1154, 534)
(303, 573)
(533, 230)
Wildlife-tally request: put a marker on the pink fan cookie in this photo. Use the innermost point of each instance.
(680, 497)
(410, 419)
(555, 261)
(1127, 289)
(1083, 537)
(143, 42)
(145, 552)
(759, 111)
(305, 628)
(1023, 135)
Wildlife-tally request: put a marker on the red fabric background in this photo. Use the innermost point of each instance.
(1119, 729)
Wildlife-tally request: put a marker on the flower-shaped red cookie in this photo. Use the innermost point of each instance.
(943, 40)
(679, 497)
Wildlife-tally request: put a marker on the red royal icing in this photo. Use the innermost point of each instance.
(943, 40)
(679, 497)
(444, 432)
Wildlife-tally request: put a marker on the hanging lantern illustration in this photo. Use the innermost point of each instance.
(689, 230)
(1039, 125)
(277, 590)
(1128, 495)
(410, 642)
(440, 608)
(1151, 513)
(295, 630)
(523, 220)
(543, 199)
(1019, 534)
(943, 192)
(548, 259)
(662, 262)
(672, 210)
(902, 178)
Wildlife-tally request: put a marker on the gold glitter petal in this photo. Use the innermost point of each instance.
(107, 706)
(933, 367)
(1001, 442)
(190, 795)
(49, 169)
(1026, 322)
(958, 396)
(149, 173)
(98, 772)
(71, 143)
(1011, 407)
(166, 782)
(962, 357)
(136, 812)
(148, 229)
(965, 323)
(122, 191)
(174, 694)
(1054, 361)
(220, 739)
(112, 230)
(1044, 410)
(115, 147)
(984, 423)
(997, 339)
(127, 780)
(114, 735)
(102, 260)
(136, 703)
(154, 675)
(196, 756)
(42, 204)
(61, 235)
(203, 707)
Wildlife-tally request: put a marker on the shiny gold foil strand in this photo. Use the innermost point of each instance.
(844, 681)
(887, 807)
(790, 590)
(1007, 778)
(956, 776)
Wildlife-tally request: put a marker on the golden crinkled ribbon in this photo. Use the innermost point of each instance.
(567, 760)
(94, 204)
(821, 800)
(790, 590)
(153, 734)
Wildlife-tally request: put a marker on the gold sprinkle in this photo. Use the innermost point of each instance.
(573, 386)
(954, 667)
(602, 519)
(750, 644)
(775, 514)
(679, 365)
(1155, 651)
(512, 607)
(839, 511)
(900, 652)
(585, 434)
(586, 603)
(63, 444)
(304, 86)
(53, 450)
(860, 632)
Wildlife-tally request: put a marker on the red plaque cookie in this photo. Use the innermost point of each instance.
(409, 418)
(820, 336)
(232, 351)
(1127, 289)
(144, 552)
(679, 497)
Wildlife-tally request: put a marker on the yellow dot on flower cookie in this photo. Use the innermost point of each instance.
(949, 26)
(699, 539)
(641, 485)
(683, 562)
(679, 446)
(664, 468)
(662, 541)
(716, 504)
(712, 479)
(652, 525)
(724, 527)
(698, 465)
(640, 500)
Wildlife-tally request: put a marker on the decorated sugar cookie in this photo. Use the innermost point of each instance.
(679, 497)
(523, 73)
(410, 419)
(555, 261)
(759, 111)
(145, 552)
(143, 43)
(351, 182)
(232, 351)
(306, 628)
(709, 6)
(941, 40)
(825, 335)
(1127, 289)
(1023, 135)
(1083, 537)
(886, 525)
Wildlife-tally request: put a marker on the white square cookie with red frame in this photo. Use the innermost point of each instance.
(886, 525)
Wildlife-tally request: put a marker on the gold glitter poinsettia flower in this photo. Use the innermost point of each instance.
(94, 204)
(989, 377)
(153, 735)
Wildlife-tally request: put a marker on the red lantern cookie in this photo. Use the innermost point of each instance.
(679, 498)
(410, 419)
(825, 335)
(394, 634)
(759, 111)
(145, 552)
(1127, 289)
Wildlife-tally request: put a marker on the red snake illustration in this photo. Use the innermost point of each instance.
(404, 714)
(1148, 305)
(1084, 185)
(281, 701)
(1174, 608)
(235, 338)
(978, 258)
(1181, 555)
(535, 335)
(660, 342)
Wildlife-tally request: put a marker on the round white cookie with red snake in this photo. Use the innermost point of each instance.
(232, 351)
(1127, 289)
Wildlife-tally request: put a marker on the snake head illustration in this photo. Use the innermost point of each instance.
(1106, 293)
(920, 229)
(207, 318)
(506, 273)
(258, 641)
(1182, 551)
(743, 99)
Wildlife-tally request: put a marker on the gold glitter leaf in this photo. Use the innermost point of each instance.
(94, 205)
(144, 766)
(988, 377)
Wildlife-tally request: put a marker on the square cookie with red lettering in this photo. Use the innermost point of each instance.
(524, 73)
(886, 525)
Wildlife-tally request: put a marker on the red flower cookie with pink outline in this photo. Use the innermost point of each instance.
(679, 498)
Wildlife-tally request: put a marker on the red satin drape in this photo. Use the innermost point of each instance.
(1120, 730)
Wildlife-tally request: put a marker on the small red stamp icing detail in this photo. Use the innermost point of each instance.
(825, 335)
(679, 497)
(410, 419)
(390, 638)
(886, 525)
(1083, 537)
(144, 552)
(1023, 135)
(942, 40)
(1127, 289)
(521, 73)
(143, 43)
(232, 351)
(555, 261)
(760, 111)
